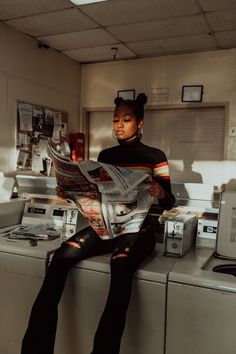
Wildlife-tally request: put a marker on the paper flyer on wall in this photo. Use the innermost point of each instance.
(114, 199)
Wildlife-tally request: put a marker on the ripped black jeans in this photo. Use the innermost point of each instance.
(129, 251)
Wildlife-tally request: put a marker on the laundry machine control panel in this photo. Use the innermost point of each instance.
(46, 221)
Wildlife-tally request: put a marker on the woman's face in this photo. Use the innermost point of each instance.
(125, 123)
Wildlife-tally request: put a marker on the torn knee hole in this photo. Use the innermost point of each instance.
(73, 244)
(121, 255)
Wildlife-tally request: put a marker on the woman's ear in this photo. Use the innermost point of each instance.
(140, 124)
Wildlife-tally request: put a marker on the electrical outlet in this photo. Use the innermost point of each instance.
(232, 131)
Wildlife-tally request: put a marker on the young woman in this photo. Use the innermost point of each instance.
(128, 251)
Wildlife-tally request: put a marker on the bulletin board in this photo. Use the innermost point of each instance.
(35, 124)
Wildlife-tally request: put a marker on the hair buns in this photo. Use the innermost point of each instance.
(118, 101)
(136, 105)
(141, 99)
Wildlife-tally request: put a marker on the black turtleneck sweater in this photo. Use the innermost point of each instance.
(137, 156)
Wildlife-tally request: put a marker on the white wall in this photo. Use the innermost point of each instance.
(49, 78)
(216, 70)
(34, 75)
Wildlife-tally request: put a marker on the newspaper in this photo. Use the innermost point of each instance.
(35, 232)
(114, 199)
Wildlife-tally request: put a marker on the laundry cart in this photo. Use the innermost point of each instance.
(84, 299)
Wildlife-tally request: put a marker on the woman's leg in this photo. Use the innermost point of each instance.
(40, 335)
(130, 252)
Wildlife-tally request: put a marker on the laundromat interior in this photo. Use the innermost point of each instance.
(62, 65)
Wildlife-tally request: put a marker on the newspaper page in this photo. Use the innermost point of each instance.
(114, 199)
(35, 232)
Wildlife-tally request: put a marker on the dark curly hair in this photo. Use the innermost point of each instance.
(137, 105)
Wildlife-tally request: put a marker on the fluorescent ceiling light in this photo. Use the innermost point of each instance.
(83, 2)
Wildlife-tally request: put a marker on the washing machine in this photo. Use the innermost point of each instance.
(84, 299)
(201, 300)
(22, 269)
(85, 294)
(86, 291)
(24, 257)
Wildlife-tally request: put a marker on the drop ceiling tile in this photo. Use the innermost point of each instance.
(54, 22)
(160, 29)
(173, 45)
(222, 20)
(82, 39)
(213, 5)
(226, 39)
(97, 54)
(117, 12)
(15, 8)
(148, 27)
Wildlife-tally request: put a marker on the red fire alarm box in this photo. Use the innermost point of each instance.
(77, 146)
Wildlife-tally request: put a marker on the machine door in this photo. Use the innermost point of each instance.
(82, 305)
(20, 280)
(200, 320)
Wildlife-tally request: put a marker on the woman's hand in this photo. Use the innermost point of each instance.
(156, 190)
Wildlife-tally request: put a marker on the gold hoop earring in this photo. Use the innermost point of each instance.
(140, 133)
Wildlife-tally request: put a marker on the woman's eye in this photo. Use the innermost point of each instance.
(125, 118)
